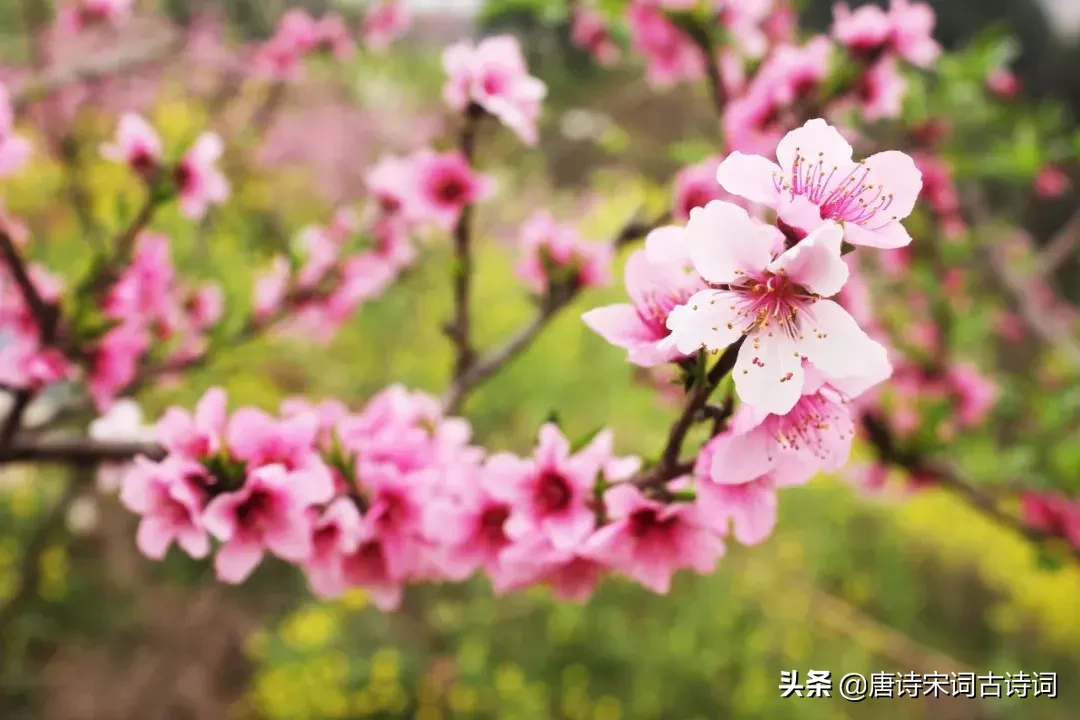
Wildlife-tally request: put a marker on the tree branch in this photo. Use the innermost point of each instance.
(950, 478)
(47, 316)
(670, 466)
(1064, 242)
(483, 369)
(77, 450)
(459, 328)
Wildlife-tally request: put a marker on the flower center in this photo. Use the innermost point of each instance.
(450, 191)
(851, 198)
(813, 425)
(646, 522)
(491, 524)
(256, 513)
(658, 305)
(766, 300)
(553, 493)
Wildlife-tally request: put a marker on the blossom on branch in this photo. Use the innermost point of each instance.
(493, 74)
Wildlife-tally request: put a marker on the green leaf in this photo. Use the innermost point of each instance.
(581, 442)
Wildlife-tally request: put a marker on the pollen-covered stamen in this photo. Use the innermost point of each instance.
(658, 304)
(813, 425)
(854, 198)
(769, 300)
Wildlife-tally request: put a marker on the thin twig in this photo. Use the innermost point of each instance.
(949, 478)
(47, 316)
(558, 298)
(1063, 244)
(459, 328)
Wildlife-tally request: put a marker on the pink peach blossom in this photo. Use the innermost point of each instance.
(640, 326)
(493, 74)
(446, 184)
(777, 301)
(137, 144)
(384, 22)
(14, 149)
(169, 497)
(335, 535)
(590, 33)
(649, 541)
(817, 182)
(552, 252)
(1051, 182)
(976, 393)
(672, 56)
(551, 492)
(198, 435)
(199, 182)
(268, 512)
(1004, 83)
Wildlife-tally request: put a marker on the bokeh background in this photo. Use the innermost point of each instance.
(850, 581)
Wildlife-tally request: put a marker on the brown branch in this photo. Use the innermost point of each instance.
(479, 371)
(77, 450)
(949, 478)
(47, 316)
(1064, 242)
(701, 37)
(459, 327)
(670, 465)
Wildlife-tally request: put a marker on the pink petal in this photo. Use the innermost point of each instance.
(750, 176)
(291, 540)
(668, 245)
(237, 559)
(887, 237)
(194, 541)
(815, 137)
(815, 262)
(724, 242)
(752, 509)
(620, 325)
(154, 537)
(741, 458)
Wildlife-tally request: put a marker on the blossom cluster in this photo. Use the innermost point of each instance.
(727, 277)
(396, 493)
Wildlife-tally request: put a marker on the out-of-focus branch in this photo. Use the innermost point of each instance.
(484, 368)
(949, 478)
(459, 328)
(117, 61)
(1063, 244)
(76, 450)
(47, 316)
(704, 40)
(1035, 317)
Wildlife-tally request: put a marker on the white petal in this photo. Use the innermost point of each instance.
(725, 242)
(836, 345)
(815, 137)
(768, 372)
(815, 262)
(750, 176)
(706, 320)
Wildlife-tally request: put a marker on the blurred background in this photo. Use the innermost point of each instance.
(852, 581)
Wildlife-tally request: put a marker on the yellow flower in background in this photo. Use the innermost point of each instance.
(310, 627)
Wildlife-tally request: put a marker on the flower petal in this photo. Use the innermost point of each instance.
(768, 372)
(816, 140)
(706, 320)
(836, 345)
(725, 242)
(897, 173)
(886, 237)
(750, 176)
(815, 262)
